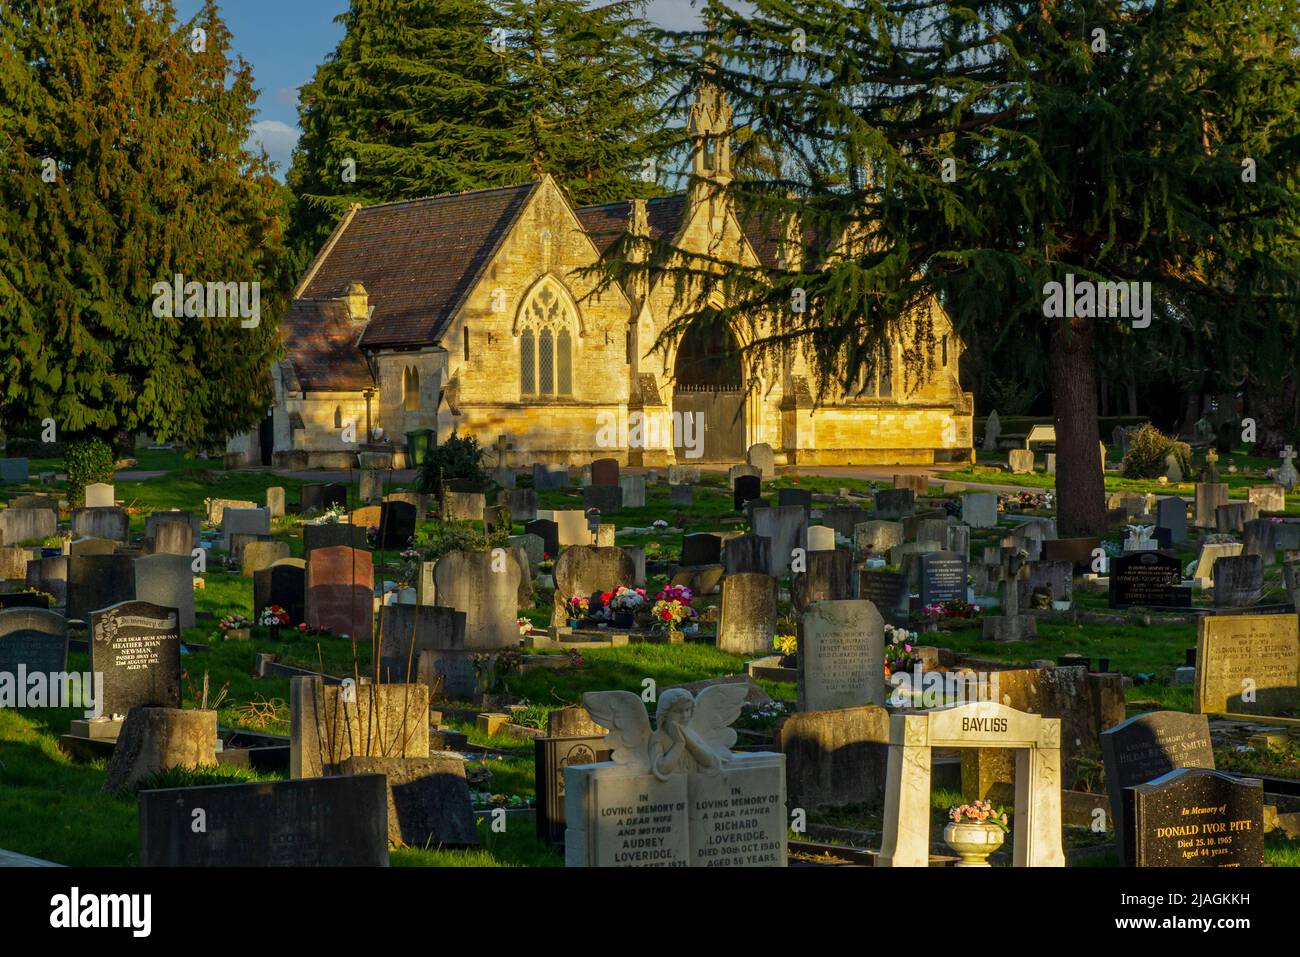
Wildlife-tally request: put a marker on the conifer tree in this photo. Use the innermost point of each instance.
(979, 151)
(123, 165)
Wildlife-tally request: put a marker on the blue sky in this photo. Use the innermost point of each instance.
(285, 40)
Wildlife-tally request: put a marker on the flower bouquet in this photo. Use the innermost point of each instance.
(625, 602)
(273, 617)
(787, 646)
(578, 606)
(975, 831)
(233, 628)
(899, 653)
(672, 607)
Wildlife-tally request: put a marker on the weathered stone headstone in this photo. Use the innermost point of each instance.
(167, 581)
(158, 739)
(1267, 498)
(1238, 581)
(877, 538)
(1259, 537)
(244, 521)
(341, 590)
(1020, 460)
(1193, 817)
(110, 523)
(786, 527)
(761, 457)
(841, 655)
(50, 575)
(485, 586)
(844, 519)
(1209, 556)
(329, 723)
(683, 495)
(746, 553)
(408, 631)
(275, 501)
(584, 570)
(1247, 664)
(821, 538)
(1146, 746)
(19, 525)
(748, 614)
(523, 504)
(463, 506)
(323, 822)
(992, 432)
(1209, 496)
(428, 799)
(1234, 516)
(835, 757)
(895, 503)
(1171, 513)
(828, 576)
(262, 554)
(173, 538)
(99, 495)
(550, 477)
(98, 581)
(633, 488)
(979, 509)
(137, 647)
(34, 639)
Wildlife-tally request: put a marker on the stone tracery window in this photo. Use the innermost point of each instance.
(545, 329)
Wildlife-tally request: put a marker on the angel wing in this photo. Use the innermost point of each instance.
(629, 725)
(716, 707)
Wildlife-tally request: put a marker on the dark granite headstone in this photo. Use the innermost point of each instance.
(98, 581)
(795, 496)
(34, 638)
(50, 575)
(888, 591)
(548, 531)
(24, 599)
(895, 503)
(943, 577)
(746, 553)
(1147, 578)
(747, 489)
(829, 577)
(137, 647)
(312, 822)
(1149, 745)
(1171, 514)
(844, 519)
(408, 630)
(284, 584)
(1076, 550)
(604, 472)
(704, 548)
(1193, 817)
(607, 498)
(550, 757)
(396, 525)
(1238, 580)
(334, 493)
(328, 536)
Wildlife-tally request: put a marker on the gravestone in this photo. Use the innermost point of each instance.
(1146, 746)
(786, 527)
(137, 647)
(552, 755)
(1247, 664)
(244, 521)
(943, 578)
(366, 517)
(821, 538)
(419, 500)
(747, 622)
(523, 504)
(409, 631)
(585, 570)
(992, 432)
(98, 581)
(746, 553)
(701, 806)
(919, 484)
(1238, 581)
(736, 471)
(341, 591)
(24, 599)
(283, 584)
(1171, 514)
(1267, 498)
(979, 509)
(152, 740)
(329, 723)
(633, 488)
(429, 803)
(1234, 516)
(463, 506)
(485, 586)
(1209, 496)
(322, 822)
(275, 501)
(13, 563)
(172, 533)
(50, 575)
(604, 472)
(704, 548)
(1054, 578)
(1287, 476)
(34, 639)
(1020, 461)
(216, 508)
(683, 495)
(396, 525)
(795, 496)
(550, 477)
(835, 757)
(1147, 578)
(331, 535)
(877, 538)
(608, 499)
(888, 591)
(1259, 537)
(372, 485)
(761, 457)
(828, 577)
(548, 531)
(532, 545)
(959, 540)
(262, 554)
(1209, 556)
(13, 471)
(110, 523)
(99, 495)
(1077, 551)
(167, 581)
(844, 519)
(1192, 817)
(572, 528)
(895, 503)
(747, 488)
(841, 656)
(19, 525)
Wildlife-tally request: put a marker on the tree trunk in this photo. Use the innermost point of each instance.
(1081, 492)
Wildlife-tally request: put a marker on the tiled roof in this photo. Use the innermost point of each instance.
(321, 342)
(604, 224)
(417, 259)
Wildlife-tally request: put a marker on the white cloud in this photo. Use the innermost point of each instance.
(278, 139)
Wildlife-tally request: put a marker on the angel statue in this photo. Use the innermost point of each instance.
(1139, 537)
(691, 733)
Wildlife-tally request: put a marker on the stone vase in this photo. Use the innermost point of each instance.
(973, 841)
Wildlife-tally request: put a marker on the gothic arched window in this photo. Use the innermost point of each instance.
(545, 326)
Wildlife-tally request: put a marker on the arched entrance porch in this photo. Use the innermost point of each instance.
(709, 395)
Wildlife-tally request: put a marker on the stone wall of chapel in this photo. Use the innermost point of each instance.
(390, 410)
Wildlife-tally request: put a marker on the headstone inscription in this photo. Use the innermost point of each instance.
(841, 655)
(1248, 664)
(1192, 817)
(1147, 578)
(943, 578)
(137, 647)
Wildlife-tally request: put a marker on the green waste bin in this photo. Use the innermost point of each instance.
(418, 444)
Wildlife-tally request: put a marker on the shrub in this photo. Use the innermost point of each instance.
(457, 458)
(89, 460)
(1147, 451)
